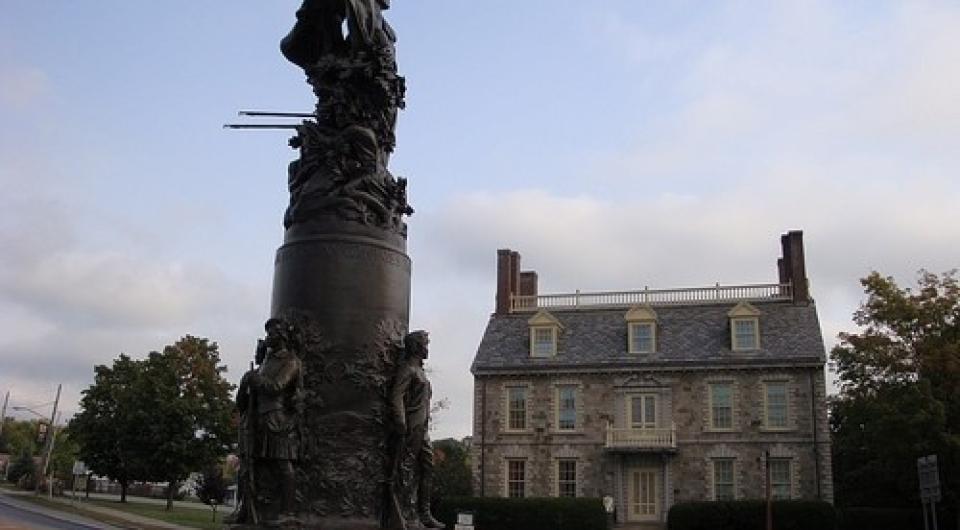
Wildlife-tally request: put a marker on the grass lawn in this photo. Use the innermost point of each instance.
(182, 516)
(189, 517)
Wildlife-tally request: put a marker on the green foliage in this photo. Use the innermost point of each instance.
(22, 466)
(19, 436)
(65, 453)
(451, 471)
(526, 514)
(900, 392)
(157, 419)
(192, 409)
(211, 488)
(856, 518)
(751, 515)
(112, 417)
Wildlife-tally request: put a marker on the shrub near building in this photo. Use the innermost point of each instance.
(491, 513)
(751, 515)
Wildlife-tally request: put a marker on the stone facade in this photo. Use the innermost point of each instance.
(640, 428)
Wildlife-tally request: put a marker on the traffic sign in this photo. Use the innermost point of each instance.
(929, 478)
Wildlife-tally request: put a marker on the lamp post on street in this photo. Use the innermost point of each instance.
(45, 460)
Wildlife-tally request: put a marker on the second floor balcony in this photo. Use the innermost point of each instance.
(632, 439)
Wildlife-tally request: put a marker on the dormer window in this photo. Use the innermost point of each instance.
(641, 330)
(744, 327)
(544, 330)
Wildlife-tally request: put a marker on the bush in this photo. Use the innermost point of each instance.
(526, 514)
(751, 515)
(21, 467)
(855, 518)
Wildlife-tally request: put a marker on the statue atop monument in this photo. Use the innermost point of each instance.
(342, 169)
(334, 421)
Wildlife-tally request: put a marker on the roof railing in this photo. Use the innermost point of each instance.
(717, 294)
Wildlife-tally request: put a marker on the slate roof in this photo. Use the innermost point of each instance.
(696, 335)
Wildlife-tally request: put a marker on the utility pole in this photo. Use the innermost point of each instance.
(769, 490)
(49, 448)
(3, 414)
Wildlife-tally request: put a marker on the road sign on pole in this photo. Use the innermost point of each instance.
(929, 478)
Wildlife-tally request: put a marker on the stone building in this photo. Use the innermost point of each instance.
(652, 397)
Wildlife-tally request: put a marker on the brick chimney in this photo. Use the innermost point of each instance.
(511, 281)
(791, 268)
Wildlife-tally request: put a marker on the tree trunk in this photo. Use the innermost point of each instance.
(214, 512)
(123, 490)
(170, 488)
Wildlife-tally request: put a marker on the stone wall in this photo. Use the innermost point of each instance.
(683, 400)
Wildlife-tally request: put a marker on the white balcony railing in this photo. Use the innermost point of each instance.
(642, 439)
(718, 294)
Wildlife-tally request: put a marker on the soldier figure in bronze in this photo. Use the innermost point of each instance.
(410, 402)
(269, 402)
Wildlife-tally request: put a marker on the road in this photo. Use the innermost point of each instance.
(14, 516)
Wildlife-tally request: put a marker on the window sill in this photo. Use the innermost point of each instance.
(714, 429)
(777, 429)
(517, 431)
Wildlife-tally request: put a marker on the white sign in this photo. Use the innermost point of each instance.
(79, 468)
(465, 518)
(929, 478)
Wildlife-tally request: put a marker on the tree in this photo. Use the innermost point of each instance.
(211, 488)
(192, 410)
(19, 436)
(23, 466)
(899, 392)
(451, 471)
(65, 453)
(109, 426)
(157, 419)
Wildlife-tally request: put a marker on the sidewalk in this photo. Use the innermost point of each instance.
(68, 494)
(10, 498)
(135, 521)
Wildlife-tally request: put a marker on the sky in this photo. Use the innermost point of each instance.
(615, 145)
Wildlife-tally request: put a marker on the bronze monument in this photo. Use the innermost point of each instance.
(334, 419)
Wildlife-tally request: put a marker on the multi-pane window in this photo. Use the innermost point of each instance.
(567, 408)
(566, 477)
(643, 411)
(723, 483)
(517, 408)
(641, 337)
(780, 478)
(745, 334)
(776, 402)
(721, 405)
(544, 342)
(516, 478)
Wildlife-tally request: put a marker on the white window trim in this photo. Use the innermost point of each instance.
(556, 475)
(733, 333)
(790, 474)
(533, 341)
(766, 411)
(653, 336)
(656, 408)
(578, 406)
(506, 477)
(526, 408)
(733, 406)
(713, 476)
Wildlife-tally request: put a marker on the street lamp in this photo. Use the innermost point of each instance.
(28, 409)
(48, 450)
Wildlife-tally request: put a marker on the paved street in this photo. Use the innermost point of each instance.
(17, 515)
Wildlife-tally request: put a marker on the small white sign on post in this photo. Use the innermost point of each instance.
(464, 521)
(929, 478)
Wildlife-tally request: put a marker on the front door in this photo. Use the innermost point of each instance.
(643, 494)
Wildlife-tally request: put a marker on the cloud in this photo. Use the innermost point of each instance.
(22, 87)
